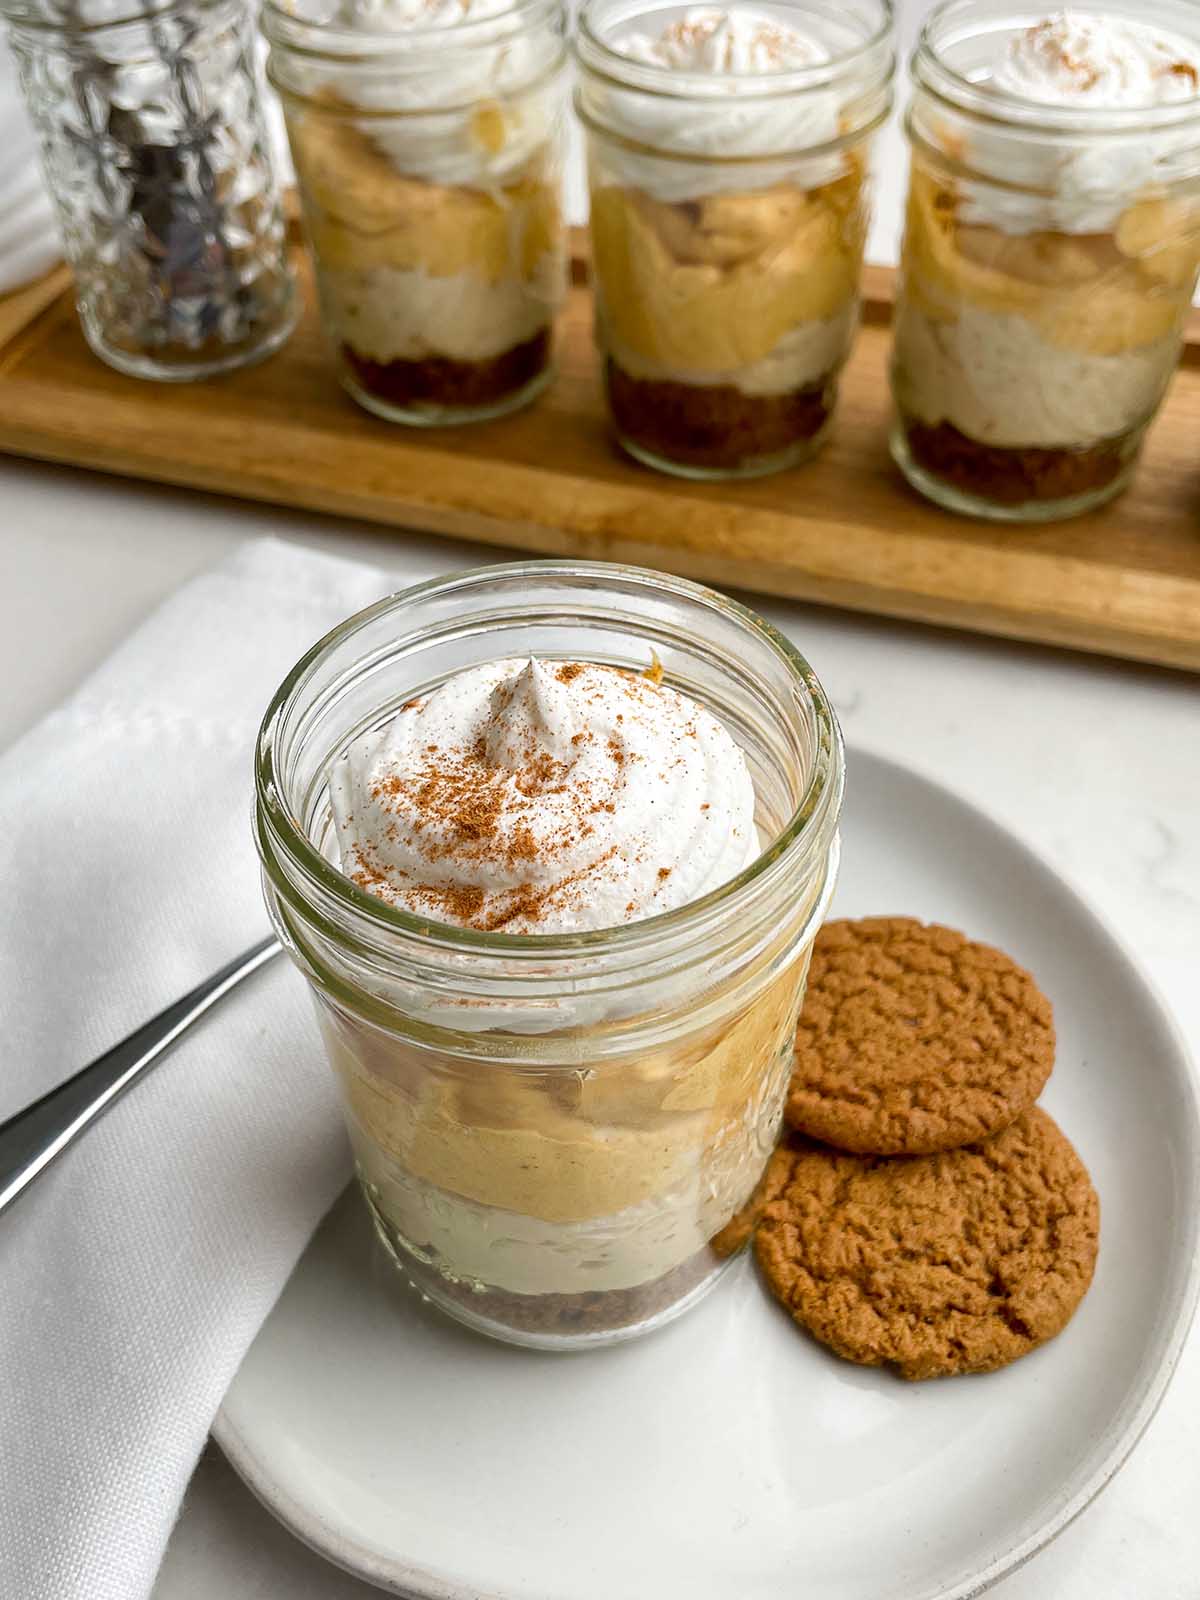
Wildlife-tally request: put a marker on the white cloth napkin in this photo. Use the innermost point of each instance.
(134, 1275)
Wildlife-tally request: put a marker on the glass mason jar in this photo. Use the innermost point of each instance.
(156, 154)
(430, 160)
(553, 1130)
(728, 216)
(1049, 262)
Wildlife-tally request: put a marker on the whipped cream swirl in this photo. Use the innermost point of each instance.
(1078, 61)
(481, 127)
(728, 109)
(1075, 59)
(402, 16)
(710, 40)
(544, 797)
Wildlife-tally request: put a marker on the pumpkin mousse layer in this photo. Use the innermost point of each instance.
(429, 166)
(439, 294)
(754, 289)
(727, 241)
(1046, 277)
(531, 797)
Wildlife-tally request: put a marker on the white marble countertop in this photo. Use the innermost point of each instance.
(1095, 763)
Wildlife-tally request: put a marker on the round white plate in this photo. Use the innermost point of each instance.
(728, 1457)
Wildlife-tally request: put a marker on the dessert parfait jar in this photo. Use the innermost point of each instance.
(428, 141)
(1051, 249)
(555, 1130)
(728, 165)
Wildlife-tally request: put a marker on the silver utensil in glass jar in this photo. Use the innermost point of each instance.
(155, 151)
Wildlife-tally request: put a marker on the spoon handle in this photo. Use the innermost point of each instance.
(34, 1137)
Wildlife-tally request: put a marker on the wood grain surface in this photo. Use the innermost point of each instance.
(843, 530)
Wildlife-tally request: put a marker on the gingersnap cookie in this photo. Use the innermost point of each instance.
(955, 1262)
(913, 1039)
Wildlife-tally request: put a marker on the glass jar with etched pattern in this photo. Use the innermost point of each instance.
(156, 153)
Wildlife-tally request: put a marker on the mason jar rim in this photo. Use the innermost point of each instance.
(820, 801)
(24, 21)
(282, 27)
(361, 116)
(809, 152)
(604, 61)
(953, 21)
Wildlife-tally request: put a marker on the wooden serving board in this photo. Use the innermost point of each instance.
(844, 529)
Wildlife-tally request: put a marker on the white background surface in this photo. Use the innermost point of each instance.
(1096, 764)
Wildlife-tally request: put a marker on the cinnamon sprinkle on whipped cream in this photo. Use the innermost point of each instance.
(1086, 59)
(543, 797)
(725, 39)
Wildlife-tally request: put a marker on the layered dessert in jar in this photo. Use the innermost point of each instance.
(727, 151)
(1051, 253)
(564, 1065)
(428, 138)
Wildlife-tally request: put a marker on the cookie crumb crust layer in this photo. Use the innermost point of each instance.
(445, 384)
(1008, 476)
(714, 427)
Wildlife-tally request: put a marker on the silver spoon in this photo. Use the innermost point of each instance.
(34, 1137)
